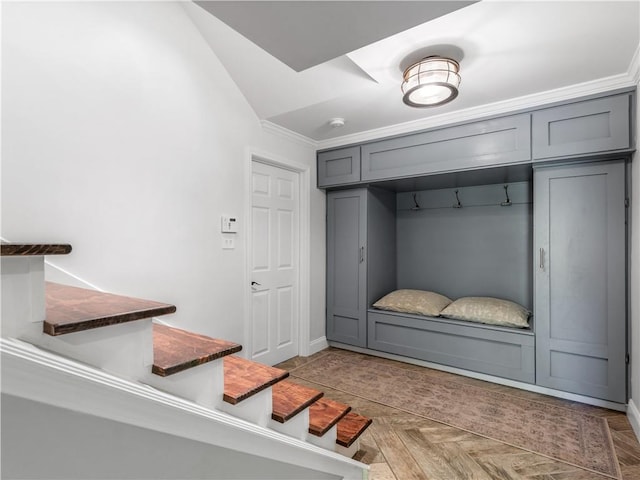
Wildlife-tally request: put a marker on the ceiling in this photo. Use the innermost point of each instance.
(301, 63)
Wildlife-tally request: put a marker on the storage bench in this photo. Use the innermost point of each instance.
(501, 351)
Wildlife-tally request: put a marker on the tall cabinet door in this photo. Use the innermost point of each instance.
(346, 267)
(580, 293)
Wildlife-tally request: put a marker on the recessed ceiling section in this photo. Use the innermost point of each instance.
(270, 87)
(512, 54)
(303, 34)
(507, 51)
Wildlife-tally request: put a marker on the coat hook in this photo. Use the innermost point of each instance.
(457, 205)
(507, 202)
(416, 206)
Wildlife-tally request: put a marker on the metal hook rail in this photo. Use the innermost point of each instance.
(458, 204)
(507, 202)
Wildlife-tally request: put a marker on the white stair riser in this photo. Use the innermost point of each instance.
(203, 384)
(125, 349)
(297, 427)
(256, 409)
(23, 293)
(328, 440)
(349, 452)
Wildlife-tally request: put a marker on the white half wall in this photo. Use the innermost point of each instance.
(124, 135)
(94, 447)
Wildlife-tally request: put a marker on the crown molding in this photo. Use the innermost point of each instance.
(290, 135)
(513, 105)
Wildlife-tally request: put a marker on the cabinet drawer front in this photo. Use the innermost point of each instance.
(339, 167)
(582, 128)
(480, 144)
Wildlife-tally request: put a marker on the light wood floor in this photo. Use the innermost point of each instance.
(401, 446)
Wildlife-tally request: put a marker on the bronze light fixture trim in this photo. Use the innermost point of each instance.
(431, 82)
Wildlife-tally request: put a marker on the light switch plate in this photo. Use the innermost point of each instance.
(229, 224)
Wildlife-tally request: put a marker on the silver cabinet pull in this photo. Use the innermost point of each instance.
(542, 259)
(361, 254)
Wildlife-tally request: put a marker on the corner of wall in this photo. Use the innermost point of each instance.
(318, 345)
(633, 414)
(634, 66)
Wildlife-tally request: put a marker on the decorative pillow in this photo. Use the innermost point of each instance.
(413, 301)
(493, 311)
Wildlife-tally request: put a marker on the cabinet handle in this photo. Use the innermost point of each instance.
(361, 254)
(542, 259)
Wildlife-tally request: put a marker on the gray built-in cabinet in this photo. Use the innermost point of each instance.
(360, 269)
(482, 248)
(577, 129)
(587, 127)
(579, 153)
(339, 167)
(470, 146)
(580, 287)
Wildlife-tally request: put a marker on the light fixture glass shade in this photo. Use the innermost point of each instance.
(431, 82)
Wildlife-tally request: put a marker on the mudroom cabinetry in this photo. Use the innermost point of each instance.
(360, 225)
(470, 146)
(457, 217)
(587, 127)
(339, 167)
(580, 278)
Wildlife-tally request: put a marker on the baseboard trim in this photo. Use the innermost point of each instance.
(318, 345)
(633, 414)
(621, 407)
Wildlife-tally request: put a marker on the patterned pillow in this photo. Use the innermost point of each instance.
(493, 311)
(413, 301)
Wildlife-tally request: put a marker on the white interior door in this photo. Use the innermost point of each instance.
(275, 247)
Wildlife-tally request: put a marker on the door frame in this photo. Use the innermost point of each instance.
(304, 250)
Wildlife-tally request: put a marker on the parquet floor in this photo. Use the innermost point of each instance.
(402, 446)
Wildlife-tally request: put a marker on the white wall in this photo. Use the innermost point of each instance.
(124, 135)
(634, 403)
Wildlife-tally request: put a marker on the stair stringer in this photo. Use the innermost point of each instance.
(42, 376)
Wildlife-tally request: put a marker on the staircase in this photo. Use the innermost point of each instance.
(116, 334)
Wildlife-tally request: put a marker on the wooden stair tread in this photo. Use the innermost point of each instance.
(72, 309)
(33, 249)
(324, 414)
(350, 427)
(244, 378)
(289, 399)
(175, 350)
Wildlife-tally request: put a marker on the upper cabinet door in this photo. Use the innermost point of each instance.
(580, 293)
(581, 128)
(339, 167)
(501, 141)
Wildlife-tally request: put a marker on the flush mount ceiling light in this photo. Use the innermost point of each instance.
(431, 82)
